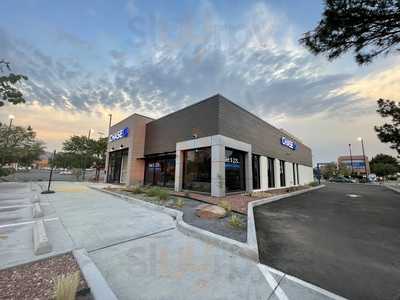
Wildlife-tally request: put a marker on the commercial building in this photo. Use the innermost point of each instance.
(213, 146)
(356, 163)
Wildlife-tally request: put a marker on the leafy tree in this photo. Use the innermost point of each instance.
(80, 152)
(8, 91)
(19, 145)
(368, 27)
(384, 165)
(389, 132)
(383, 170)
(344, 170)
(328, 170)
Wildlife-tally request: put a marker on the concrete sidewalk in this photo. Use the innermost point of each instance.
(143, 256)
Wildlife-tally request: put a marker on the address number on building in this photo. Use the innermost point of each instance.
(123, 133)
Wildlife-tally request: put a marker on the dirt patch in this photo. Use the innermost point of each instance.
(37, 280)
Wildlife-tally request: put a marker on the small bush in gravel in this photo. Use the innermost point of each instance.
(225, 204)
(66, 286)
(137, 190)
(179, 202)
(152, 192)
(314, 183)
(162, 195)
(235, 221)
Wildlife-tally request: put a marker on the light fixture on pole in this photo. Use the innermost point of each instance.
(360, 139)
(11, 118)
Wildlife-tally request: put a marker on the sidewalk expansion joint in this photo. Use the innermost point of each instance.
(278, 292)
(131, 239)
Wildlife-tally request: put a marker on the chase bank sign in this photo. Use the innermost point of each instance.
(123, 133)
(288, 143)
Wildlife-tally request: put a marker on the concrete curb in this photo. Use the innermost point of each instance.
(251, 227)
(41, 244)
(99, 287)
(37, 211)
(35, 198)
(228, 244)
(248, 249)
(391, 188)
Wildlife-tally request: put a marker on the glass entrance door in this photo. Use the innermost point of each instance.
(234, 170)
(115, 165)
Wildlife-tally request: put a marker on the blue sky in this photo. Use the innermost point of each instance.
(85, 59)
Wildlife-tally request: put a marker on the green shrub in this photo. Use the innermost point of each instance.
(162, 194)
(157, 192)
(314, 183)
(136, 190)
(179, 202)
(235, 221)
(225, 204)
(152, 192)
(5, 172)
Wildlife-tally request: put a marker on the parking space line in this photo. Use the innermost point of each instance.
(26, 223)
(21, 205)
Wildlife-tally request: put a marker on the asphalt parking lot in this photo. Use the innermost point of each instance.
(344, 238)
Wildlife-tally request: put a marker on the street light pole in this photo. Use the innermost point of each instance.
(365, 162)
(109, 123)
(351, 160)
(51, 176)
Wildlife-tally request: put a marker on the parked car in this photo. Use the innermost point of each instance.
(340, 179)
(65, 173)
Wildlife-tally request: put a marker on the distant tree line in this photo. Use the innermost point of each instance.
(81, 152)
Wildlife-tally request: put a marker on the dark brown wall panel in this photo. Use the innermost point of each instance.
(217, 115)
(200, 118)
(237, 123)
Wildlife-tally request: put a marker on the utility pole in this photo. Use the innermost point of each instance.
(363, 151)
(351, 160)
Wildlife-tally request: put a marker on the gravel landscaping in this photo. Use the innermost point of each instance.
(236, 229)
(37, 280)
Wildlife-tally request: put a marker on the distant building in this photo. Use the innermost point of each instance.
(355, 163)
(43, 161)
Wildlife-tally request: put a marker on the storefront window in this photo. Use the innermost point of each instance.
(256, 171)
(282, 172)
(271, 173)
(197, 170)
(160, 171)
(234, 170)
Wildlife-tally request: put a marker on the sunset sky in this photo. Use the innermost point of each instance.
(86, 59)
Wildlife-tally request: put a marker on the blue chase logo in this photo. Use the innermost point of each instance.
(288, 143)
(123, 133)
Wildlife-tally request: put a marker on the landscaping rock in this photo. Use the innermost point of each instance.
(209, 211)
